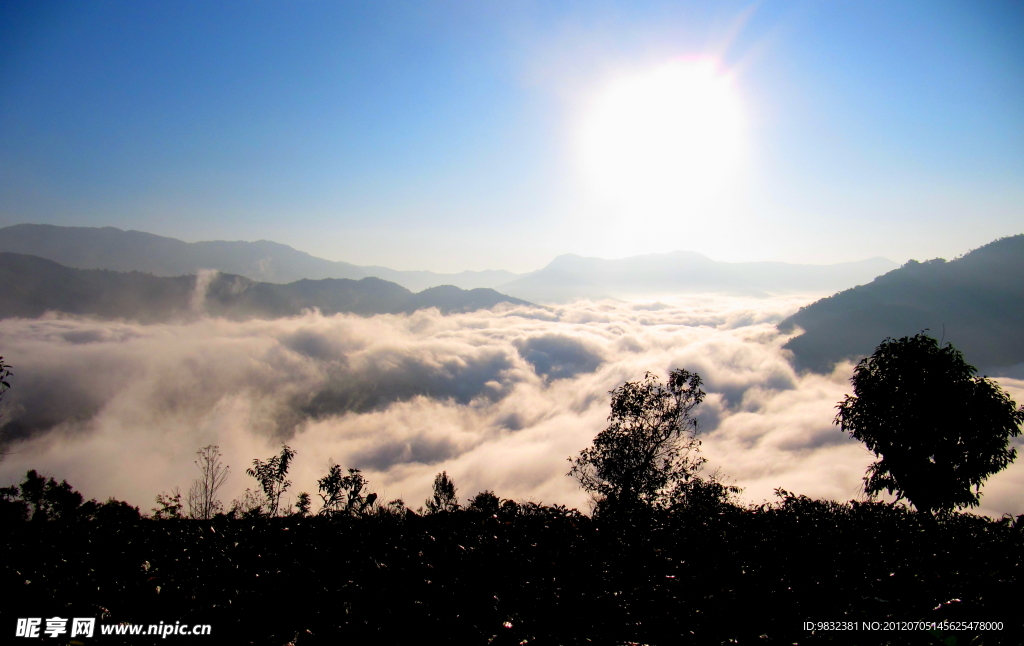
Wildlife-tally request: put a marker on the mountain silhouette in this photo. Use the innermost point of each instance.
(566, 278)
(975, 302)
(570, 277)
(265, 261)
(31, 286)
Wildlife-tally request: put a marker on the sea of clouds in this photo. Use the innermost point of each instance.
(497, 398)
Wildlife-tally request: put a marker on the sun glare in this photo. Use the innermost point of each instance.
(666, 138)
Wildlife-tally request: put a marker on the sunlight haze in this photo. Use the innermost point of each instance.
(661, 145)
(464, 136)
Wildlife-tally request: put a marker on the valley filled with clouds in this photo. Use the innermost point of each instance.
(498, 398)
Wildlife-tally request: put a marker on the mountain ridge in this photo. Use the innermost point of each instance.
(975, 302)
(30, 286)
(262, 260)
(567, 277)
(571, 276)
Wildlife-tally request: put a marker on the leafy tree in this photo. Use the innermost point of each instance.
(12, 507)
(114, 511)
(703, 494)
(344, 494)
(272, 477)
(649, 447)
(302, 504)
(48, 498)
(202, 497)
(939, 429)
(395, 508)
(168, 505)
(331, 490)
(444, 498)
(485, 502)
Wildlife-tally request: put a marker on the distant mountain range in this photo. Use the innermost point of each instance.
(110, 248)
(31, 286)
(975, 302)
(567, 278)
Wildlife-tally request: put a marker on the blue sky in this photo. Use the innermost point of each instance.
(446, 135)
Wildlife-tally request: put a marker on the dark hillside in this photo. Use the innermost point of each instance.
(450, 299)
(31, 286)
(975, 302)
(111, 248)
(238, 297)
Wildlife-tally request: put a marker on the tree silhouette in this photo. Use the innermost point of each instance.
(649, 447)
(202, 496)
(5, 372)
(169, 505)
(344, 494)
(443, 498)
(331, 490)
(703, 494)
(302, 504)
(486, 502)
(271, 476)
(939, 429)
(49, 499)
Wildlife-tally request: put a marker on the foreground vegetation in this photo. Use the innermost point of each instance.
(514, 573)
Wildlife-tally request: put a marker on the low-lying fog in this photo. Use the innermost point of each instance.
(499, 399)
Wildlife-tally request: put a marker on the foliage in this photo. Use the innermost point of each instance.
(168, 505)
(202, 496)
(113, 511)
(649, 448)
(443, 498)
(48, 498)
(395, 508)
(513, 577)
(302, 504)
(344, 494)
(41, 499)
(5, 372)
(467, 578)
(272, 477)
(939, 429)
(485, 502)
(251, 504)
(12, 507)
(705, 494)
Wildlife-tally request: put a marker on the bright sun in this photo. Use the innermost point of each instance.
(664, 138)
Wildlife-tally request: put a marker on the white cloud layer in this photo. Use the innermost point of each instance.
(499, 399)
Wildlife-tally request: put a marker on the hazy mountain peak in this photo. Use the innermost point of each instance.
(572, 259)
(571, 276)
(567, 277)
